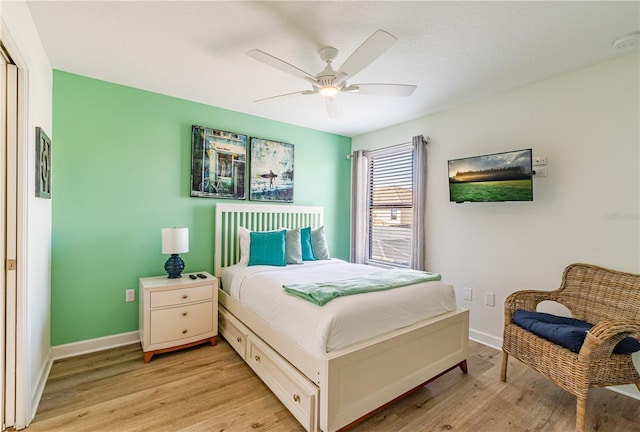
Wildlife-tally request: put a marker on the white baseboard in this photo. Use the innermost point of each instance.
(42, 381)
(627, 390)
(486, 339)
(93, 345)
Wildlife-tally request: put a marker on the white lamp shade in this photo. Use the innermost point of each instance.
(175, 240)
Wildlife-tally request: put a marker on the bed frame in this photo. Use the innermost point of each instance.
(341, 388)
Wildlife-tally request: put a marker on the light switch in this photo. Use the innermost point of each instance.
(467, 294)
(490, 299)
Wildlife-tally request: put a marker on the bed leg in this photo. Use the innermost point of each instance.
(463, 366)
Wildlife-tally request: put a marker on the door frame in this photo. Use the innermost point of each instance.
(3, 255)
(17, 398)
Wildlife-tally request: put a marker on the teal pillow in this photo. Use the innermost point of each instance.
(319, 244)
(305, 243)
(293, 247)
(267, 248)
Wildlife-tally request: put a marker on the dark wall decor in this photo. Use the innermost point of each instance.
(43, 164)
(271, 171)
(218, 160)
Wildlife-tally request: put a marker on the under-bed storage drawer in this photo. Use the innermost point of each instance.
(293, 389)
(233, 331)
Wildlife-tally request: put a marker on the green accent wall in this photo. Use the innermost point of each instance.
(121, 168)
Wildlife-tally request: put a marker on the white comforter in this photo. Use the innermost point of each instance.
(344, 320)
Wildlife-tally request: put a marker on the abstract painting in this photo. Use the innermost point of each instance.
(43, 164)
(218, 161)
(271, 171)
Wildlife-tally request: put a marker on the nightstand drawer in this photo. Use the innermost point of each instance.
(181, 296)
(181, 322)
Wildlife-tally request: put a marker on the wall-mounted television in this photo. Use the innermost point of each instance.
(506, 176)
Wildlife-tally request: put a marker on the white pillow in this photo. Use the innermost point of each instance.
(319, 244)
(244, 240)
(293, 247)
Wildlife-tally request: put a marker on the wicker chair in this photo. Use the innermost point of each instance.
(608, 299)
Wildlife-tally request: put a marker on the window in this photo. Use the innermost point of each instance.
(390, 206)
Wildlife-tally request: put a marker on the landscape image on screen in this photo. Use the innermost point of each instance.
(495, 177)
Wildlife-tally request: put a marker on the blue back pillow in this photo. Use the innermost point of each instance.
(565, 331)
(307, 248)
(268, 248)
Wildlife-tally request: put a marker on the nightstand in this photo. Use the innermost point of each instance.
(177, 313)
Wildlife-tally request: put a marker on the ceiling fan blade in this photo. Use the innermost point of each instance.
(366, 53)
(382, 89)
(282, 96)
(334, 109)
(275, 62)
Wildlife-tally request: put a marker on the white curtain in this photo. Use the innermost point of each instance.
(360, 176)
(419, 244)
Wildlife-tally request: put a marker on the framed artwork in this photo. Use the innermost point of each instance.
(43, 164)
(271, 171)
(218, 161)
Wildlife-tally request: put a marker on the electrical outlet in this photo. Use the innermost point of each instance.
(540, 171)
(130, 295)
(539, 160)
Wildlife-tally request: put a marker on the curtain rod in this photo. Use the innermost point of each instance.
(427, 139)
(393, 146)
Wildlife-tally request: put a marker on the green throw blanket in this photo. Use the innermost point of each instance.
(322, 292)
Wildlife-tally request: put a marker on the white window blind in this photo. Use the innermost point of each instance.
(390, 206)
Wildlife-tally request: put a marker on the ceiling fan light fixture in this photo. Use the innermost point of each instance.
(328, 90)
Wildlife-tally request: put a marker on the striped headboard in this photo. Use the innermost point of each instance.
(255, 217)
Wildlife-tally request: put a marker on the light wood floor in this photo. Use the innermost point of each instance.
(209, 388)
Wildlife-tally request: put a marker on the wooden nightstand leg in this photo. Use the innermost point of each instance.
(214, 340)
(147, 356)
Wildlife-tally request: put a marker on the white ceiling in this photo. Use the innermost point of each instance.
(454, 52)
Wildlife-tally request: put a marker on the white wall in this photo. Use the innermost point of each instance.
(586, 210)
(20, 36)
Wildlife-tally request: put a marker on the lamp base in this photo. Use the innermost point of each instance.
(174, 266)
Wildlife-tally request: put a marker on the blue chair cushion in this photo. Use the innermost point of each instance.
(565, 331)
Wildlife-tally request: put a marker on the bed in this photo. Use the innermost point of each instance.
(331, 384)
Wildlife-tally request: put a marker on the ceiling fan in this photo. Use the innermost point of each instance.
(330, 82)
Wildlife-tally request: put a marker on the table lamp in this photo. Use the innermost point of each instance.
(175, 241)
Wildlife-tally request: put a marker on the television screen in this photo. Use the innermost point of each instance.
(506, 176)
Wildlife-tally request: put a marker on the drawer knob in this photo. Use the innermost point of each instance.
(257, 357)
(184, 314)
(184, 296)
(239, 339)
(184, 331)
(296, 398)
